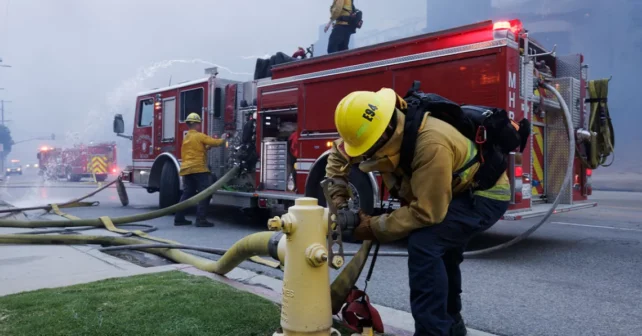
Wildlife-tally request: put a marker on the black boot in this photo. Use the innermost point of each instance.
(203, 223)
(181, 222)
(458, 328)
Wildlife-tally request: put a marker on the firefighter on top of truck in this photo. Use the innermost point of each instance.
(438, 214)
(194, 171)
(341, 31)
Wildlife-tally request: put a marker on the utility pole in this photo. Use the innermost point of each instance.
(2, 155)
(2, 121)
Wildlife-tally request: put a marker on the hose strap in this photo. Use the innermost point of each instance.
(56, 210)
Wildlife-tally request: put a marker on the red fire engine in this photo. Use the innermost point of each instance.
(78, 162)
(288, 118)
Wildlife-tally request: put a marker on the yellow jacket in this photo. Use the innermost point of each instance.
(440, 151)
(340, 8)
(194, 152)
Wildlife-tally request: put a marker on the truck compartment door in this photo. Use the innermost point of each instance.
(169, 119)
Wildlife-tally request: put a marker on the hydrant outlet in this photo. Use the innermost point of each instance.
(316, 255)
(275, 224)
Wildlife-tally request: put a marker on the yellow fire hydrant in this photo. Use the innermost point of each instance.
(306, 306)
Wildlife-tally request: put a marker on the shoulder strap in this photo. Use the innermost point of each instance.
(414, 116)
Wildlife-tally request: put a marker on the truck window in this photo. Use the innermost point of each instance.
(145, 112)
(191, 101)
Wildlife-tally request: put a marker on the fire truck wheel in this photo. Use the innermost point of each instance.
(169, 193)
(72, 177)
(101, 177)
(360, 187)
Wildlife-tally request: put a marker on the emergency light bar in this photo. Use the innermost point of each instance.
(507, 29)
(501, 25)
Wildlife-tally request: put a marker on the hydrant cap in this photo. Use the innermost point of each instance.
(306, 201)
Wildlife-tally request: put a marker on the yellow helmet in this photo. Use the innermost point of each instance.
(193, 118)
(362, 117)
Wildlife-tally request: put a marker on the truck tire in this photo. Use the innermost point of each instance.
(71, 177)
(169, 193)
(101, 177)
(359, 183)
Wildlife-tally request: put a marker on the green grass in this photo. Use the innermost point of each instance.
(169, 303)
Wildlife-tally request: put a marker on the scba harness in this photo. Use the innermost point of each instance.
(491, 130)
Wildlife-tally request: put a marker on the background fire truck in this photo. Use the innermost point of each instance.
(80, 161)
(286, 116)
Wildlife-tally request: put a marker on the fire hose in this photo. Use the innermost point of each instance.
(78, 202)
(565, 184)
(262, 243)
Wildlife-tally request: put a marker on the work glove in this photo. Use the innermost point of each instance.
(363, 231)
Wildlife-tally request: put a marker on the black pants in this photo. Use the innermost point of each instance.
(434, 255)
(339, 38)
(193, 184)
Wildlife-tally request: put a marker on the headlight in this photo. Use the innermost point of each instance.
(19, 169)
(8, 169)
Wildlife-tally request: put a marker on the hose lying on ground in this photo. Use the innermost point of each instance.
(249, 246)
(149, 228)
(78, 201)
(213, 250)
(256, 244)
(193, 201)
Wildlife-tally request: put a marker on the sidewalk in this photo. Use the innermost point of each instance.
(31, 267)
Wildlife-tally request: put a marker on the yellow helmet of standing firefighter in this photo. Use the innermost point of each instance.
(193, 118)
(362, 117)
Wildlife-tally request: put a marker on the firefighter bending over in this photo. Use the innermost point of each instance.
(196, 176)
(439, 212)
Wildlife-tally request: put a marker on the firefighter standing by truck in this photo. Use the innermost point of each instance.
(196, 176)
(439, 212)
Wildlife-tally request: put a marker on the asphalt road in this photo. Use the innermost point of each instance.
(580, 274)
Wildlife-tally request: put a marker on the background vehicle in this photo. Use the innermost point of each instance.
(14, 168)
(80, 161)
(288, 117)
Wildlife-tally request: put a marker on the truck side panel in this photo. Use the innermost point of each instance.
(322, 96)
(471, 80)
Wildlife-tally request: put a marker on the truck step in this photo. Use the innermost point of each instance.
(540, 210)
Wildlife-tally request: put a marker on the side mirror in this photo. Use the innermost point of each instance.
(119, 124)
(38, 156)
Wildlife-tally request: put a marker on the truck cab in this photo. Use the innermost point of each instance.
(13, 168)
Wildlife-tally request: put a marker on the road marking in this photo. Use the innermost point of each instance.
(597, 226)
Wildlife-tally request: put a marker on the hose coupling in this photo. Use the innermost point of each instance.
(584, 135)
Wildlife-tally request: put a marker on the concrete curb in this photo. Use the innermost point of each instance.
(396, 322)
